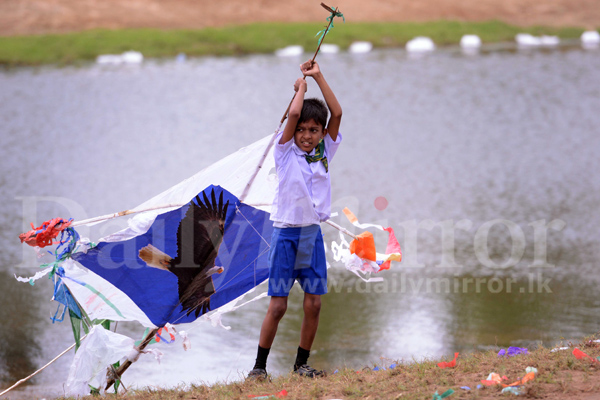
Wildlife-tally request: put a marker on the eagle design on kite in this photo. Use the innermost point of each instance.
(199, 236)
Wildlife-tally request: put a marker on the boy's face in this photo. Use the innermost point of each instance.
(308, 134)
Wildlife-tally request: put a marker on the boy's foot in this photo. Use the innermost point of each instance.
(257, 374)
(308, 371)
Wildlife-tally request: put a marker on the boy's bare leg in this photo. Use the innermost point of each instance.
(276, 311)
(310, 322)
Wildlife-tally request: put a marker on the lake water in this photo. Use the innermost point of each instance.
(488, 163)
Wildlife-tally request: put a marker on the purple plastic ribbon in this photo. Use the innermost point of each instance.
(512, 351)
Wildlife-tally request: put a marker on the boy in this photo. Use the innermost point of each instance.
(302, 201)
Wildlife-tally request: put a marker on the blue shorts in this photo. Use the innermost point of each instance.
(297, 254)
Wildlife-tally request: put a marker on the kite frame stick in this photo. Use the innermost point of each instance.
(120, 214)
(41, 369)
(341, 229)
(129, 212)
(285, 115)
(134, 211)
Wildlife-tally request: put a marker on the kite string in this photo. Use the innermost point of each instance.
(237, 209)
(261, 236)
(41, 369)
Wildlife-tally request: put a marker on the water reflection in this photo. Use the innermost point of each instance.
(19, 347)
(506, 136)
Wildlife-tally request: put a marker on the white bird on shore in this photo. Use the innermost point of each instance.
(132, 57)
(360, 47)
(109, 59)
(527, 40)
(420, 44)
(590, 39)
(129, 57)
(470, 42)
(290, 51)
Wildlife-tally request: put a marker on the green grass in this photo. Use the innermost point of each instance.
(75, 47)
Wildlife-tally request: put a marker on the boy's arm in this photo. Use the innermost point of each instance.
(311, 68)
(295, 111)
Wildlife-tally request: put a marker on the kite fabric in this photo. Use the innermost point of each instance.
(232, 173)
(166, 295)
(118, 285)
(101, 348)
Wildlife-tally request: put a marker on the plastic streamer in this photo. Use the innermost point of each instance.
(160, 337)
(353, 263)
(43, 235)
(334, 13)
(66, 246)
(364, 244)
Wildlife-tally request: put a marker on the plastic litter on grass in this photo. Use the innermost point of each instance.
(449, 364)
(512, 351)
(437, 396)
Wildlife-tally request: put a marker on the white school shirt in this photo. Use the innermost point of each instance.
(303, 194)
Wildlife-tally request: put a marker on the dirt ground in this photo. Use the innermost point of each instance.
(19, 17)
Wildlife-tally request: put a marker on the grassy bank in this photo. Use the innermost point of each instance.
(72, 48)
(560, 375)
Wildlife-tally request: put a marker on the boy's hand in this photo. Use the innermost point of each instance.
(300, 84)
(310, 68)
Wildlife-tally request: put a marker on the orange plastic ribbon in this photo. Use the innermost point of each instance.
(350, 215)
(279, 395)
(449, 364)
(580, 355)
(364, 246)
(528, 377)
(494, 379)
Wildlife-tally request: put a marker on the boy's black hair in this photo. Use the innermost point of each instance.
(314, 109)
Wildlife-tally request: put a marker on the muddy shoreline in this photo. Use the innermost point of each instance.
(25, 17)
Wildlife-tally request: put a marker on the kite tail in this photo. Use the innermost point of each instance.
(155, 258)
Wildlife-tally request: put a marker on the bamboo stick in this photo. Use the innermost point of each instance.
(128, 363)
(285, 114)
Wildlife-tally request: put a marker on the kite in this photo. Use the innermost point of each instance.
(190, 252)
